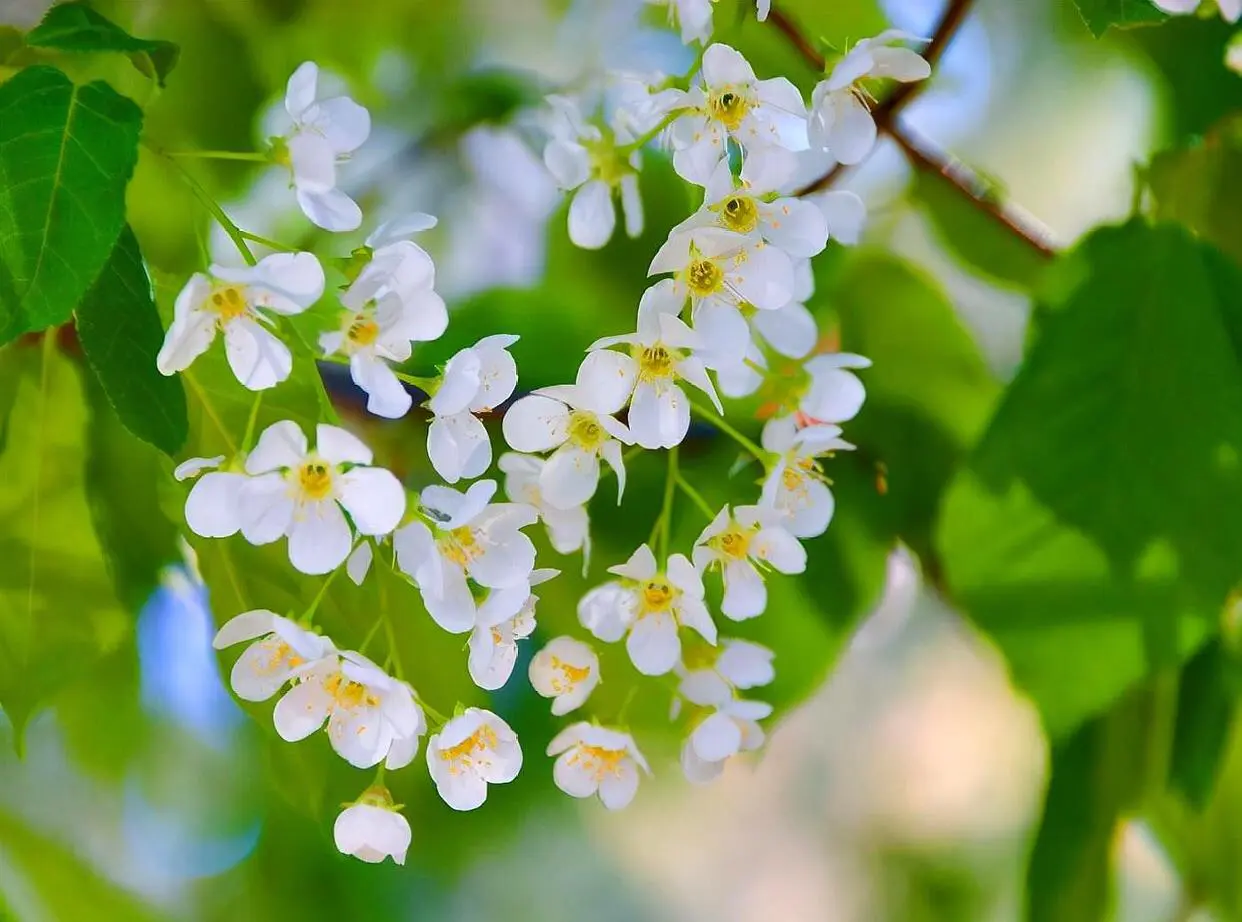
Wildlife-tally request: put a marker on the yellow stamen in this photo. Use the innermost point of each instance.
(739, 213)
(655, 362)
(314, 479)
(460, 546)
(598, 762)
(570, 675)
(734, 543)
(585, 430)
(704, 278)
(657, 596)
(363, 331)
(480, 740)
(228, 301)
(729, 107)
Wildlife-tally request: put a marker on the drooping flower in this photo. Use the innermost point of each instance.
(592, 160)
(731, 728)
(372, 828)
(469, 538)
(662, 352)
(796, 485)
(567, 671)
(234, 301)
(475, 380)
(596, 760)
(470, 752)
(732, 103)
(371, 716)
(841, 121)
(718, 673)
(569, 530)
(282, 651)
(304, 494)
(505, 617)
(559, 420)
(744, 546)
(324, 133)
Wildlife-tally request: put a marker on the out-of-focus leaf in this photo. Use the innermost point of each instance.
(1093, 533)
(1189, 53)
(77, 27)
(58, 612)
(975, 238)
(66, 154)
(1099, 15)
(1201, 186)
(121, 334)
(1207, 701)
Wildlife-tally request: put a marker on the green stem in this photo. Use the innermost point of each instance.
(625, 705)
(212, 206)
(270, 244)
(727, 428)
(427, 384)
(660, 530)
(366, 641)
(643, 140)
(695, 497)
(323, 590)
(220, 155)
(251, 421)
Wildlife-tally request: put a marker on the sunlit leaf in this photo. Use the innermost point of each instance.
(1099, 15)
(77, 27)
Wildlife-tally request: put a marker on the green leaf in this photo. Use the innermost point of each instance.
(1099, 15)
(1201, 186)
(77, 27)
(1188, 53)
(1093, 535)
(1206, 704)
(58, 612)
(66, 154)
(120, 331)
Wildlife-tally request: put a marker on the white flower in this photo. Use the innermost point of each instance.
(731, 103)
(557, 419)
(212, 509)
(796, 485)
(569, 530)
(652, 605)
(662, 352)
(845, 214)
(371, 716)
(324, 133)
(790, 331)
(372, 829)
(736, 665)
(832, 393)
(282, 651)
(744, 545)
(233, 301)
(593, 760)
(751, 205)
(1230, 9)
(470, 538)
(732, 728)
(389, 306)
(475, 380)
(566, 670)
(840, 120)
(581, 156)
(693, 17)
(469, 753)
(304, 494)
(505, 617)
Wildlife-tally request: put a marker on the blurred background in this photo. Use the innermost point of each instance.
(903, 780)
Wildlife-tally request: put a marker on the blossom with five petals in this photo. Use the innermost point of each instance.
(745, 544)
(282, 651)
(372, 829)
(476, 380)
(796, 485)
(596, 760)
(566, 670)
(470, 752)
(505, 617)
(569, 530)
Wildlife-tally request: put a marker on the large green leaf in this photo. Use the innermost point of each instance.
(77, 27)
(1093, 535)
(1188, 53)
(1099, 15)
(58, 612)
(1207, 701)
(66, 155)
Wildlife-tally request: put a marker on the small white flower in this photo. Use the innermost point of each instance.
(470, 538)
(233, 301)
(841, 120)
(662, 353)
(569, 530)
(790, 331)
(282, 651)
(567, 671)
(388, 307)
(732, 728)
(652, 605)
(505, 617)
(693, 17)
(832, 392)
(732, 103)
(557, 419)
(372, 829)
(304, 494)
(718, 673)
(469, 753)
(371, 716)
(475, 380)
(744, 545)
(583, 157)
(595, 760)
(324, 133)
(796, 485)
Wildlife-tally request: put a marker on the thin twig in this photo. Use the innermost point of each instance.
(791, 32)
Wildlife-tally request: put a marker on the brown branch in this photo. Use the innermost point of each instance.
(795, 37)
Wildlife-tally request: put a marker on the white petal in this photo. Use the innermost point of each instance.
(386, 395)
(746, 664)
(458, 385)
(192, 330)
(745, 594)
(592, 217)
(330, 209)
(259, 360)
(319, 539)
(281, 445)
(192, 467)
(288, 283)
(606, 380)
(653, 644)
(359, 563)
(611, 452)
(340, 446)
(836, 395)
(372, 833)
(301, 711)
(570, 477)
(458, 447)
(899, 64)
(725, 65)
(265, 508)
(781, 549)
(617, 790)
(300, 90)
(248, 625)
(797, 227)
(374, 499)
(791, 331)
(536, 423)
(211, 509)
(344, 123)
(697, 770)
(572, 776)
(313, 162)
(659, 415)
(568, 162)
(716, 738)
(853, 131)
(845, 213)
(632, 205)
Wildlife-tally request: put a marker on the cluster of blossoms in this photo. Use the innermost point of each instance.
(727, 316)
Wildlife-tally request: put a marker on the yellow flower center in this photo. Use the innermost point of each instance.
(793, 478)
(480, 740)
(349, 694)
(657, 596)
(655, 362)
(698, 654)
(728, 107)
(733, 543)
(606, 163)
(570, 675)
(281, 656)
(228, 301)
(597, 761)
(315, 479)
(362, 331)
(460, 546)
(704, 277)
(739, 213)
(585, 430)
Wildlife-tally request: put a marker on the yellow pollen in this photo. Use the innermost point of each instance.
(597, 761)
(733, 543)
(570, 676)
(282, 656)
(793, 478)
(348, 694)
(657, 596)
(655, 362)
(362, 331)
(585, 430)
(704, 277)
(229, 302)
(315, 479)
(481, 739)
(729, 108)
(460, 546)
(739, 213)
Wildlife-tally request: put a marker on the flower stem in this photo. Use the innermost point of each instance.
(424, 384)
(323, 590)
(248, 438)
(220, 155)
(643, 140)
(212, 206)
(727, 428)
(270, 244)
(660, 531)
(695, 497)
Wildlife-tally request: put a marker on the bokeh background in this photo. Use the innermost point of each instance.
(905, 784)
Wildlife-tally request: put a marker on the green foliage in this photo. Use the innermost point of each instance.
(1207, 700)
(121, 333)
(1188, 53)
(66, 154)
(1099, 15)
(77, 27)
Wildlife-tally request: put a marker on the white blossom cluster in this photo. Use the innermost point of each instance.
(726, 315)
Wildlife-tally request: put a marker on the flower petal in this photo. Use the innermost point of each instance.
(319, 539)
(374, 499)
